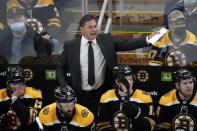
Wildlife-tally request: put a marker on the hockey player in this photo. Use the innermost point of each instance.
(65, 114)
(125, 108)
(177, 109)
(19, 103)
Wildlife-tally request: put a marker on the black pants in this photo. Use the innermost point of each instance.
(91, 99)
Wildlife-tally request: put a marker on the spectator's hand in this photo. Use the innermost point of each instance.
(41, 37)
(46, 36)
(131, 110)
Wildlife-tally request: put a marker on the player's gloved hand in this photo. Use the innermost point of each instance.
(131, 110)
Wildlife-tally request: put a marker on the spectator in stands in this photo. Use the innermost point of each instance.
(102, 54)
(177, 47)
(3, 14)
(64, 8)
(19, 103)
(16, 41)
(177, 108)
(65, 114)
(43, 12)
(169, 6)
(44, 48)
(42, 16)
(125, 106)
(189, 9)
(190, 13)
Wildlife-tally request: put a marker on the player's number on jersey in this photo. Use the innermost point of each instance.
(152, 54)
(151, 112)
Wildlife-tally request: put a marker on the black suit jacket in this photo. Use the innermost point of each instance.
(70, 58)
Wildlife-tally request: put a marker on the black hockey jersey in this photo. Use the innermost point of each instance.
(22, 112)
(175, 114)
(111, 116)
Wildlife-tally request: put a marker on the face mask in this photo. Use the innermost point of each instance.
(17, 27)
(180, 31)
(189, 2)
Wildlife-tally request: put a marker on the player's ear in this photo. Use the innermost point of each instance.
(176, 84)
(57, 104)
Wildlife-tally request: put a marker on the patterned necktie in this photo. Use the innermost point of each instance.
(91, 79)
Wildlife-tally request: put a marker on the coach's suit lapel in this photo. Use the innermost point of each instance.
(76, 53)
(76, 62)
(102, 46)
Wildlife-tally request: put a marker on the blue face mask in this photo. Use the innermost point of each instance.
(17, 27)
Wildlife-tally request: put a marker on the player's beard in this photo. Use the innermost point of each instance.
(68, 113)
(186, 96)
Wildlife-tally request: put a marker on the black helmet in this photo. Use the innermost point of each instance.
(183, 74)
(15, 74)
(64, 94)
(122, 71)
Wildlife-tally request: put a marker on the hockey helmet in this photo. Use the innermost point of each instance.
(183, 74)
(15, 74)
(64, 95)
(122, 71)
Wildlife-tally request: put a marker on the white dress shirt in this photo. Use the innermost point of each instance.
(99, 65)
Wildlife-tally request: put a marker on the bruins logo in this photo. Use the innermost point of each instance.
(15, 122)
(120, 122)
(28, 74)
(175, 57)
(143, 76)
(84, 113)
(46, 110)
(184, 122)
(36, 25)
